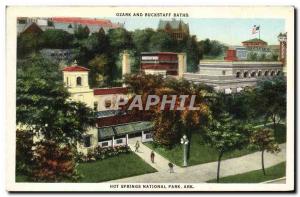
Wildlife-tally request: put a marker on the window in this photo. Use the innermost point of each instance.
(245, 74)
(87, 141)
(78, 81)
(253, 74)
(272, 73)
(104, 144)
(67, 81)
(224, 72)
(238, 74)
(266, 73)
(95, 106)
(107, 103)
(148, 135)
(119, 141)
(259, 73)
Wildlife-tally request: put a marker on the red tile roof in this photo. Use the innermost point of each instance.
(117, 90)
(75, 69)
(85, 21)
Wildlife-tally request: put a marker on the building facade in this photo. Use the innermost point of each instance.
(176, 28)
(164, 63)
(113, 126)
(234, 76)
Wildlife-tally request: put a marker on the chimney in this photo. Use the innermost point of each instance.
(125, 63)
(182, 65)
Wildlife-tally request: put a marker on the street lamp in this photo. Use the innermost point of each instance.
(184, 141)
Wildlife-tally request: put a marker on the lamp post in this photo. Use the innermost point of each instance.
(184, 141)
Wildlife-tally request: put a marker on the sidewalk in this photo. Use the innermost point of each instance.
(203, 172)
(160, 163)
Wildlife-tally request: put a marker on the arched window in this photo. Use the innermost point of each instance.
(259, 74)
(245, 74)
(266, 73)
(272, 73)
(78, 81)
(238, 74)
(253, 74)
(278, 73)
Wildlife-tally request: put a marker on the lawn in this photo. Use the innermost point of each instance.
(124, 165)
(203, 153)
(257, 176)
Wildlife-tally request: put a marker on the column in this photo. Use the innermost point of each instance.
(113, 141)
(126, 139)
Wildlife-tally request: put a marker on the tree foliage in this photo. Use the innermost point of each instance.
(43, 104)
(56, 39)
(264, 140)
(271, 94)
(225, 135)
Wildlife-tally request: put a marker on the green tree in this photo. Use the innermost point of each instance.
(263, 138)
(226, 135)
(161, 41)
(141, 39)
(271, 94)
(252, 56)
(56, 39)
(97, 70)
(81, 32)
(43, 104)
(28, 43)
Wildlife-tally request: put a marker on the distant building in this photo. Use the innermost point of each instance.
(58, 56)
(176, 28)
(255, 42)
(164, 63)
(70, 24)
(234, 76)
(30, 27)
(237, 71)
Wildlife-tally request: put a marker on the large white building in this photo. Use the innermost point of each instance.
(233, 76)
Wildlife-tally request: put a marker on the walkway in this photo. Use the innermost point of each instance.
(203, 172)
(160, 163)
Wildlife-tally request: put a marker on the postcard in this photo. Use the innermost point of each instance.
(150, 99)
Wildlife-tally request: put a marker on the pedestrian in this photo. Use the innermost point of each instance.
(137, 146)
(152, 156)
(171, 167)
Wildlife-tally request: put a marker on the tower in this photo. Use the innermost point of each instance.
(182, 65)
(125, 63)
(77, 82)
(282, 38)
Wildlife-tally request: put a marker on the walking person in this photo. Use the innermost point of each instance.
(137, 146)
(152, 155)
(171, 167)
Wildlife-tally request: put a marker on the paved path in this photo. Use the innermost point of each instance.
(203, 172)
(160, 163)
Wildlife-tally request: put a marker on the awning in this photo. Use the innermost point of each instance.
(123, 129)
(107, 113)
(105, 132)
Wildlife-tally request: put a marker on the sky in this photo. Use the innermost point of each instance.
(228, 31)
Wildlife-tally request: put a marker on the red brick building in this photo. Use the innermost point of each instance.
(159, 61)
(255, 43)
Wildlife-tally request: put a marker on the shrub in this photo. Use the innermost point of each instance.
(102, 153)
(54, 162)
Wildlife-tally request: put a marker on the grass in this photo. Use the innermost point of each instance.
(204, 153)
(257, 176)
(122, 166)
